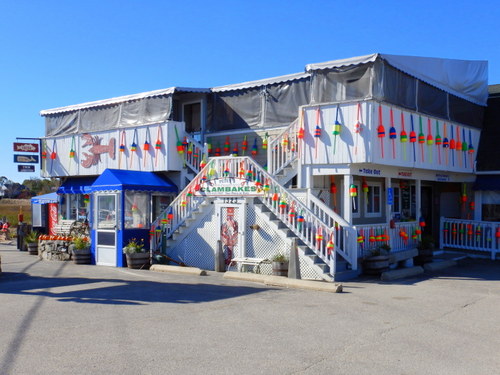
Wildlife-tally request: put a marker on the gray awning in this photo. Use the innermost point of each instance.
(121, 99)
(467, 79)
(261, 82)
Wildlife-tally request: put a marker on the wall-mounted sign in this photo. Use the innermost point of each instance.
(390, 196)
(25, 168)
(374, 172)
(405, 173)
(25, 158)
(229, 187)
(442, 177)
(25, 147)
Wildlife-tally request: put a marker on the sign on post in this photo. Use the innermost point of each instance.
(25, 158)
(25, 147)
(25, 168)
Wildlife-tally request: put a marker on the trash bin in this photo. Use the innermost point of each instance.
(22, 230)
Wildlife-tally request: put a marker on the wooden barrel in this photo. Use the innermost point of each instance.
(33, 248)
(81, 258)
(375, 265)
(280, 268)
(138, 260)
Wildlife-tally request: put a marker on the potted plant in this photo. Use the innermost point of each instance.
(31, 240)
(80, 249)
(377, 261)
(136, 255)
(280, 265)
(425, 250)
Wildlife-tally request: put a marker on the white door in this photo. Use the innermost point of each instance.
(231, 223)
(106, 219)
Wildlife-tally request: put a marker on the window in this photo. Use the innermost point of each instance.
(191, 114)
(373, 201)
(137, 210)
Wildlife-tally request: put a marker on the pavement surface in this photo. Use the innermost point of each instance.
(62, 318)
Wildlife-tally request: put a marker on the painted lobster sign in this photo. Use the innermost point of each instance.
(93, 156)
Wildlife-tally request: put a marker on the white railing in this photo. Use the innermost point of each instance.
(325, 240)
(283, 149)
(195, 154)
(470, 235)
(404, 236)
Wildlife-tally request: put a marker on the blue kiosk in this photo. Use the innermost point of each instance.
(123, 205)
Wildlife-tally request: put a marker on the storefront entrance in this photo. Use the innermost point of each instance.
(106, 225)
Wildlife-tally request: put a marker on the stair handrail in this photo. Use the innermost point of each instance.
(323, 211)
(283, 149)
(177, 211)
(194, 153)
(324, 240)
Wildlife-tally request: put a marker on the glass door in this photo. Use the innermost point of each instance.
(106, 212)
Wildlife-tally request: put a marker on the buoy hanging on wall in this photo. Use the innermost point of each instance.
(381, 131)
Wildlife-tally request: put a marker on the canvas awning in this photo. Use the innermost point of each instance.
(467, 79)
(117, 180)
(487, 182)
(76, 185)
(45, 198)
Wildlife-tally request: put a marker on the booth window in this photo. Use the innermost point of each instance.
(160, 204)
(373, 203)
(74, 207)
(137, 210)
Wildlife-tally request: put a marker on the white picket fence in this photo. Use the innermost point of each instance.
(471, 235)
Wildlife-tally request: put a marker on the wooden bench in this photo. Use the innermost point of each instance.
(245, 261)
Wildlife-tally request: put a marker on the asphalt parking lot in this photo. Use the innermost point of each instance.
(62, 318)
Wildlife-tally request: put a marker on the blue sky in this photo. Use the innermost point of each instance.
(60, 52)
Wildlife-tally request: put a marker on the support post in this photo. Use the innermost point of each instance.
(294, 262)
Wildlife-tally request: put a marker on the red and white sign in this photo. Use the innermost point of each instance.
(26, 147)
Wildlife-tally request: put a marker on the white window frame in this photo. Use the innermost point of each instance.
(369, 196)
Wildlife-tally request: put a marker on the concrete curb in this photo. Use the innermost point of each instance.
(401, 273)
(436, 266)
(176, 269)
(285, 282)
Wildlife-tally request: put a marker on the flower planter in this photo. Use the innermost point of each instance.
(81, 256)
(280, 268)
(33, 248)
(375, 265)
(138, 260)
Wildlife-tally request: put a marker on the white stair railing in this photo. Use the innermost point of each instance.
(283, 149)
(323, 239)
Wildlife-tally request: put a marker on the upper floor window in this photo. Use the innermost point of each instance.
(191, 115)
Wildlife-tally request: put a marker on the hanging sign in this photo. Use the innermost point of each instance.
(25, 168)
(25, 147)
(25, 158)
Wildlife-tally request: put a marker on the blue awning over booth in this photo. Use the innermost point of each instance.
(118, 179)
(487, 182)
(76, 185)
(45, 198)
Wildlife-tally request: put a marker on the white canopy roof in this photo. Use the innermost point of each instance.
(466, 79)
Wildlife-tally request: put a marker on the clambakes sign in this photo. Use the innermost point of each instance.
(229, 187)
